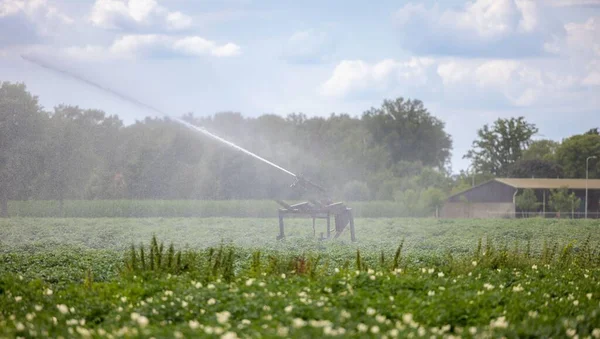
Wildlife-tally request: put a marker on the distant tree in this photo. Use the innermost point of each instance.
(593, 131)
(409, 199)
(21, 143)
(527, 201)
(535, 168)
(500, 145)
(432, 200)
(409, 132)
(356, 191)
(574, 151)
(541, 150)
(562, 201)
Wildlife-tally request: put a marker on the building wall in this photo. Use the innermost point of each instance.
(478, 210)
(490, 192)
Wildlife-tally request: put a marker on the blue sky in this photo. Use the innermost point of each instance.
(469, 62)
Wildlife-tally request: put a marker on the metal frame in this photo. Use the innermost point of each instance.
(315, 210)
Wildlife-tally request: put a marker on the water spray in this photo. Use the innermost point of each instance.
(323, 208)
(138, 103)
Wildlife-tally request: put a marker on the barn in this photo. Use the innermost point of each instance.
(496, 198)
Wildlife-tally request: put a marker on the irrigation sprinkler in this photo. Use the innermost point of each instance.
(320, 208)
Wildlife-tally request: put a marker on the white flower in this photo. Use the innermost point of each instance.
(371, 311)
(18, 299)
(362, 327)
(345, 314)
(38, 307)
(223, 317)
(380, 318)
(211, 301)
(375, 329)
(589, 296)
(48, 292)
(297, 323)
(474, 263)
(499, 323)
(571, 332)
(62, 308)
(249, 282)
(596, 333)
(288, 309)
(431, 293)
(372, 277)
(184, 304)
(210, 286)
(407, 318)
(194, 324)
(534, 267)
(473, 330)
(576, 302)
(517, 288)
(488, 286)
(142, 321)
(441, 274)
(229, 335)
(282, 275)
(431, 270)
(198, 285)
(246, 322)
(532, 314)
(282, 331)
(20, 327)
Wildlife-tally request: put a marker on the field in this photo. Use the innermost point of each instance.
(228, 277)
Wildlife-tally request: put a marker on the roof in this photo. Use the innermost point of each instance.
(550, 183)
(577, 184)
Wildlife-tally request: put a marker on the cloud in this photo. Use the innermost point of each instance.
(29, 21)
(483, 28)
(575, 3)
(308, 46)
(135, 14)
(355, 76)
(148, 45)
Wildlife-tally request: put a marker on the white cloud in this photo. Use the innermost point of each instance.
(127, 14)
(480, 28)
(24, 22)
(575, 3)
(197, 46)
(351, 76)
(135, 46)
(309, 46)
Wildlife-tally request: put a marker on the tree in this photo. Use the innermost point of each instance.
(541, 150)
(574, 151)
(21, 135)
(409, 132)
(535, 168)
(527, 201)
(433, 199)
(562, 201)
(500, 145)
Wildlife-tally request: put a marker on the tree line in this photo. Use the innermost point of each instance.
(398, 151)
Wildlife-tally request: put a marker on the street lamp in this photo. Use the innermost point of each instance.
(586, 181)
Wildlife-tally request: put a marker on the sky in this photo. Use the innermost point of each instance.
(469, 62)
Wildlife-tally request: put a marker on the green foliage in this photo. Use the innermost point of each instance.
(562, 201)
(501, 145)
(574, 151)
(409, 132)
(356, 191)
(499, 292)
(527, 201)
(535, 168)
(541, 150)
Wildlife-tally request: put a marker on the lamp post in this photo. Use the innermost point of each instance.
(586, 181)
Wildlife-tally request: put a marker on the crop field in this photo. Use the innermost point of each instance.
(230, 278)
